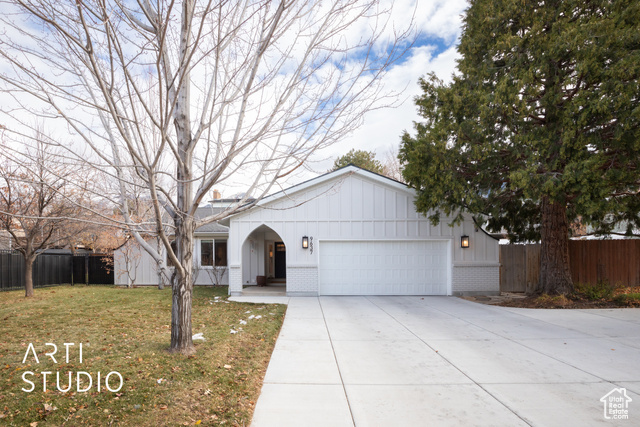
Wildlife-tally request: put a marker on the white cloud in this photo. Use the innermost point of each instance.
(438, 21)
(382, 128)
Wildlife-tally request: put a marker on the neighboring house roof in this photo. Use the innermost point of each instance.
(618, 232)
(214, 227)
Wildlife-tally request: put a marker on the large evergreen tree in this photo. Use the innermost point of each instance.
(539, 127)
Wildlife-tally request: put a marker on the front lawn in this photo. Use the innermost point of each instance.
(128, 331)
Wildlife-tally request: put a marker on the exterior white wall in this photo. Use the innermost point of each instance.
(253, 257)
(355, 206)
(133, 265)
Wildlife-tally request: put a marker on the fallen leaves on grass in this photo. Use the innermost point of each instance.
(49, 408)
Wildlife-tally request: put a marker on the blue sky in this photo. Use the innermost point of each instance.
(435, 51)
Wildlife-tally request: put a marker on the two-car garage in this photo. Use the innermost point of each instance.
(380, 267)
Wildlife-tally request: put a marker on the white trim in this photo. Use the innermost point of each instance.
(476, 264)
(348, 170)
(210, 233)
(393, 239)
(198, 251)
(450, 257)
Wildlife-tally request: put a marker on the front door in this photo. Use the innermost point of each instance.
(280, 261)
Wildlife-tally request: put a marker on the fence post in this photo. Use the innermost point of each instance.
(86, 269)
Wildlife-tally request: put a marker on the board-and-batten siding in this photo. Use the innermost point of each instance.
(354, 207)
(143, 270)
(360, 210)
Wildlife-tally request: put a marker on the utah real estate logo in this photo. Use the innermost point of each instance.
(616, 404)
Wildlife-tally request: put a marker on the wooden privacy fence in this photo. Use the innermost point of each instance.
(616, 261)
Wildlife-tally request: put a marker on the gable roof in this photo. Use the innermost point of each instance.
(344, 171)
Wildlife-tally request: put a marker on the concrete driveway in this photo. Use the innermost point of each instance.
(422, 361)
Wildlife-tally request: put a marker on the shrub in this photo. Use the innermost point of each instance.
(598, 291)
(627, 299)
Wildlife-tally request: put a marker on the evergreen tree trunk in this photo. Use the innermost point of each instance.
(28, 275)
(555, 274)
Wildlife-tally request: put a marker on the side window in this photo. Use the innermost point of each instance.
(206, 252)
(221, 253)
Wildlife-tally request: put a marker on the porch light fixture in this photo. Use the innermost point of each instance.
(305, 242)
(464, 242)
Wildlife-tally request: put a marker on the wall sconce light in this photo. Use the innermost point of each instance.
(464, 242)
(305, 242)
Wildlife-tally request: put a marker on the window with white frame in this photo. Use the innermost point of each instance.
(213, 253)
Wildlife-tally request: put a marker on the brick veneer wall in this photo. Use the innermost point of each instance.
(235, 280)
(476, 279)
(302, 281)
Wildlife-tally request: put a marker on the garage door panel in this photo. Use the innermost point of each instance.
(383, 268)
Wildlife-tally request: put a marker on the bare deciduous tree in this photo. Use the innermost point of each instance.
(190, 94)
(391, 164)
(131, 255)
(37, 205)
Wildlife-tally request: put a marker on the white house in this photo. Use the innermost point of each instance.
(363, 236)
(350, 232)
(134, 266)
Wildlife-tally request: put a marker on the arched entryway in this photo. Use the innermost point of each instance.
(264, 262)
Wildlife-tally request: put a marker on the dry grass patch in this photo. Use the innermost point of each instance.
(128, 331)
(599, 295)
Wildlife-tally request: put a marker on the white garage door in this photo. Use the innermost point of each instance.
(383, 268)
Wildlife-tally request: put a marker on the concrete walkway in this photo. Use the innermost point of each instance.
(421, 361)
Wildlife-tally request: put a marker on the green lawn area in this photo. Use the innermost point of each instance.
(128, 331)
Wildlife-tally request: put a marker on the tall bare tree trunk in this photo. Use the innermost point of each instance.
(183, 289)
(185, 225)
(28, 275)
(555, 273)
